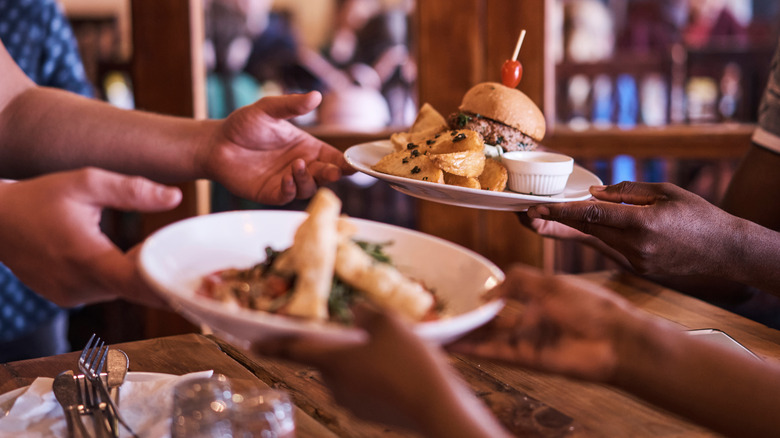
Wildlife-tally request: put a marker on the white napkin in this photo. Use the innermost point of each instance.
(145, 402)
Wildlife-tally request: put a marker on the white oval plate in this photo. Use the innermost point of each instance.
(365, 155)
(175, 258)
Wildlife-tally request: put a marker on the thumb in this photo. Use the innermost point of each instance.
(291, 105)
(131, 193)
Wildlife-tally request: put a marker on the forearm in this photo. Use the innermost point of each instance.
(722, 389)
(44, 130)
(749, 254)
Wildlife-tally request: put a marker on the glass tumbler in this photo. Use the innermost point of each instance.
(264, 413)
(202, 408)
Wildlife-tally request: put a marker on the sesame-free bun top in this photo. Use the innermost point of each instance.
(509, 106)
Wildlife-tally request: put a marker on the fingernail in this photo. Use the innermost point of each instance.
(597, 188)
(169, 194)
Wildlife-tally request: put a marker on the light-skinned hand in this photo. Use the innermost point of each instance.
(52, 241)
(257, 154)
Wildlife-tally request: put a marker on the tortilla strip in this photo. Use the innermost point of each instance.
(313, 256)
(381, 282)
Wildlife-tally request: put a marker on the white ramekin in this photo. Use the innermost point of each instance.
(537, 172)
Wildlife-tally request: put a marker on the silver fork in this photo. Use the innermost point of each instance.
(91, 405)
(91, 363)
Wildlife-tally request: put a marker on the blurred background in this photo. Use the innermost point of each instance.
(644, 90)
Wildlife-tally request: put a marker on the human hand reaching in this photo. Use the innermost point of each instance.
(658, 227)
(52, 241)
(568, 326)
(257, 154)
(393, 377)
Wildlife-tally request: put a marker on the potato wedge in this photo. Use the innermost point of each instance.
(459, 140)
(468, 164)
(401, 140)
(461, 181)
(494, 176)
(428, 123)
(410, 163)
(428, 119)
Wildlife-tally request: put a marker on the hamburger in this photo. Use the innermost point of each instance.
(504, 116)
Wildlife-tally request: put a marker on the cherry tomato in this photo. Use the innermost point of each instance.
(511, 73)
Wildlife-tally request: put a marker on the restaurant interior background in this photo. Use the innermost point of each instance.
(639, 90)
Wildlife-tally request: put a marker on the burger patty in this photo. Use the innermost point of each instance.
(493, 132)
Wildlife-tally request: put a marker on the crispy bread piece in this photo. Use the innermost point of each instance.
(410, 163)
(494, 176)
(313, 256)
(381, 282)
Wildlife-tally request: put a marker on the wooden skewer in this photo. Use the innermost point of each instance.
(519, 43)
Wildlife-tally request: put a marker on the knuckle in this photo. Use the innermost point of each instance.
(134, 186)
(592, 214)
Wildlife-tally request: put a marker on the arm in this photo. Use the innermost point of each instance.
(393, 377)
(754, 187)
(578, 329)
(255, 152)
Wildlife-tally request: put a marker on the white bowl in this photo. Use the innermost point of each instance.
(537, 172)
(175, 258)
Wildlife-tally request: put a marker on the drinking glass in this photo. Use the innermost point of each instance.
(220, 407)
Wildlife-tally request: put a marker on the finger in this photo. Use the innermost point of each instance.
(329, 154)
(522, 283)
(628, 192)
(585, 212)
(291, 105)
(324, 173)
(132, 193)
(287, 190)
(305, 186)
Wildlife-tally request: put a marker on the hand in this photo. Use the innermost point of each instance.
(393, 377)
(559, 231)
(658, 228)
(568, 327)
(52, 241)
(258, 155)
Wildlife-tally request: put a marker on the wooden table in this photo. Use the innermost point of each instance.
(528, 403)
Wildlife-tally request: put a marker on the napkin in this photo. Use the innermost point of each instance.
(145, 402)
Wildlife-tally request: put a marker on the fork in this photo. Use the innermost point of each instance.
(91, 363)
(88, 399)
